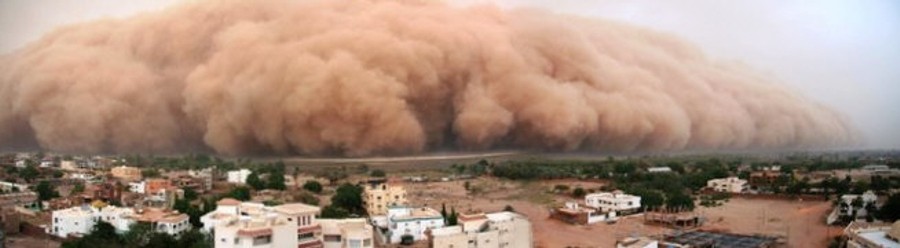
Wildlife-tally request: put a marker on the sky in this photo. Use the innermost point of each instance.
(844, 54)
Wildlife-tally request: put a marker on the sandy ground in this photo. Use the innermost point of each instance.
(803, 223)
(534, 201)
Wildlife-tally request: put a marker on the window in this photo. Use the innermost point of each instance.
(305, 236)
(236, 240)
(332, 238)
(262, 240)
(367, 242)
(353, 243)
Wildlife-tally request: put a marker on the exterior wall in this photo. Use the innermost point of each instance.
(731, 185)
(137, 187)
(514, 230)
(80, 220)
(126, 173)
(238, 176)
(155, 185)
(378, 198)
(613, 202)
(414, 227)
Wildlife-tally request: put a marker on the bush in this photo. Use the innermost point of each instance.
(378, 173)
(313, 186)
(578, 192)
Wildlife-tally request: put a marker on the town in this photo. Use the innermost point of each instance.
(827, 199)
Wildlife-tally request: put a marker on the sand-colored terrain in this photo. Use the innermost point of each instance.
(801, 222)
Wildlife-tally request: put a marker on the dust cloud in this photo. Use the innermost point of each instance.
(360, 78)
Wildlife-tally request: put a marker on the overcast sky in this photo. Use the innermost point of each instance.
(843, 53)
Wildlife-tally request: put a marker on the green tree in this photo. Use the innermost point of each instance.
(313, 186)
(240, 193)
(189, 194)
(578, 192)
(46, 191)
(650, 199)
(890, 211)
(78, 188)
(150, 173)
(29, 173)
(276, 180)
(680, 201)
(509, 208)
(334, 212)
(378, 173)
(254, 181)
(138, 234)
(348, 197)
(452, 220)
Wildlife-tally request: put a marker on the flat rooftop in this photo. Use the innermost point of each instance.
(703, 239)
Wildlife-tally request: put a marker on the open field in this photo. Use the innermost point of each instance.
(803, 223)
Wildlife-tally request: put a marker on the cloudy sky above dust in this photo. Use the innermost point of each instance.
(845, 54)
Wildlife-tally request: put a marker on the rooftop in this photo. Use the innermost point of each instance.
(704, 239)
(297, 208)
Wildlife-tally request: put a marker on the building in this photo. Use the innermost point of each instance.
(137, 187)
(717, 239)
(25, 199)
(408, 221)
(662, 169)
(79, 220)
(108, 191)
(851, 206)
(379, 195)
(347, 233)
(126, 173)
(613, 202)
(238, 176)
(205, 177)
(249, 224)
(68, 165)
(574, 213)
(168, 222)
(155, 185)
(494, 230)
(637, 242)
(12, 187)
(730, 185)
(866, 235)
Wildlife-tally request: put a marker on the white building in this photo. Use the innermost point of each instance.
(401, 221)
(137, 187)
(637, 242)
(238, 176)
(495, 230)
(613, 202)
(80, 220)
(347, 233)
(846, 207)
(663, 169)
(249, 224)
(730, 185)
(866, 235)
(168, 222)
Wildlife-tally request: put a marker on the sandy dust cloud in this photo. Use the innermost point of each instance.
(359, 78)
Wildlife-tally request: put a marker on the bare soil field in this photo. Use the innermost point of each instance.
(533, 200)
(801, 222)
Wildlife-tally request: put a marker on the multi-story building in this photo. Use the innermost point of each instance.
(108, 191)
(379, 195)
(407, 221)
(126, 173)
(204, 177)
(867, 235)
(857, 206)
(238, 176)
(614, 202)
(80, 220)
(729, 184)
(248, 224)
(495, 230)
(575, 213)
(156, 184)
(347, 233)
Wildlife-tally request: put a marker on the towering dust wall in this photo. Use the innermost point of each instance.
(359, 78)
